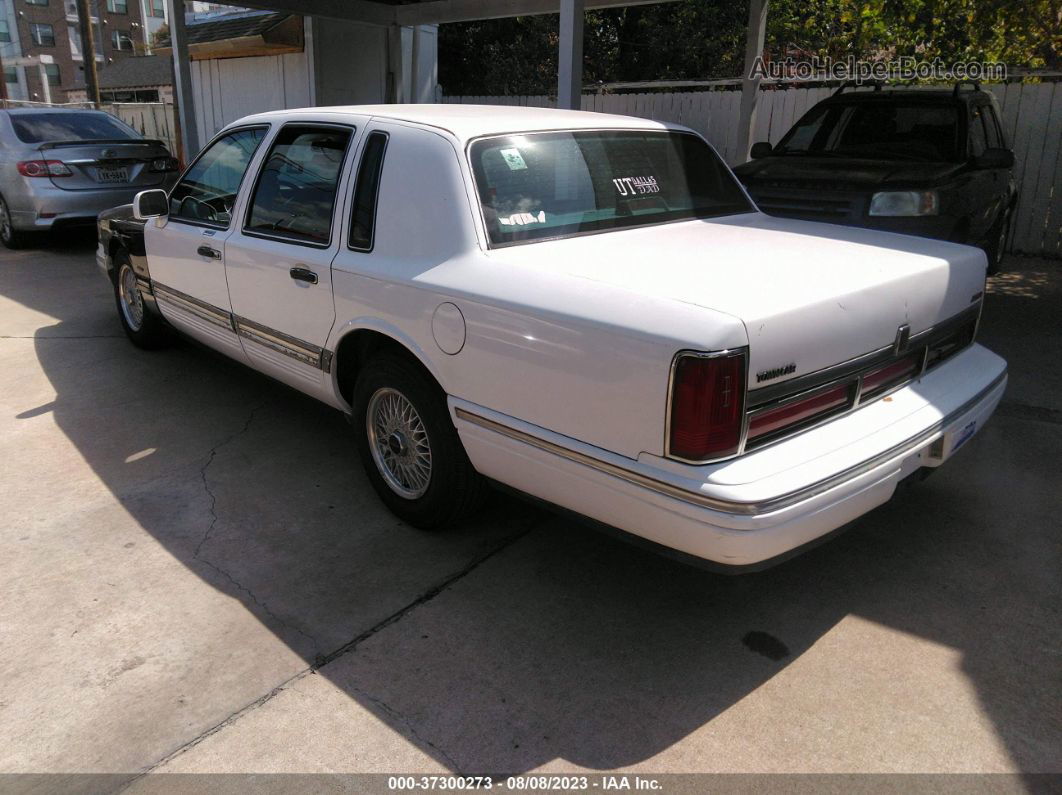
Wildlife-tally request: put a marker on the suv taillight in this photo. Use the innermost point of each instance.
(707, 405)
(43, 168)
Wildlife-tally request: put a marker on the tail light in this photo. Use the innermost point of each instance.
(799, 412)
(890, 375)
(43, 168)
(707, 405)
(164, 164)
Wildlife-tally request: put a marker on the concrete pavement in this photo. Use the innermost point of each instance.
(196, 577)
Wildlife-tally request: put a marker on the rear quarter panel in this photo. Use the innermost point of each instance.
(583, 359)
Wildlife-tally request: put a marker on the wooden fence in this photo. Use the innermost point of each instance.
(1031, 116)
(150, 119)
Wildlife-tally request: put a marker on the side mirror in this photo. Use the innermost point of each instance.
(150, 204)
(761, 149)
(995, 158)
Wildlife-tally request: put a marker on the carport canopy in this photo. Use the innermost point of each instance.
(396, 14)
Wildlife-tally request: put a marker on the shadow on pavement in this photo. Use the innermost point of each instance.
(575, 647)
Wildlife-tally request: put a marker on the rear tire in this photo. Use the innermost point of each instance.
(409, 446)
(144, 328)
(11, 238)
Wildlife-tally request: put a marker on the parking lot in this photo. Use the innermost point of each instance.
(196, 577)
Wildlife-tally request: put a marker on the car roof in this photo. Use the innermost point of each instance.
(54, 111)
(471, 121)
(911, 95)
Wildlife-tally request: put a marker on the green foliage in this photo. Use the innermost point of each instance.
(698, 39)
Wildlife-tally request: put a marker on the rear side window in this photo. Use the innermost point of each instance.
(296, 190)
(207, 191)
(363, 216)
(35, 128)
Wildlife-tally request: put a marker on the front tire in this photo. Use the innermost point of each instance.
(144, 328)
(409, 446)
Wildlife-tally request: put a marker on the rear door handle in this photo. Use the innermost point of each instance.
(303, 275)
(207, 251)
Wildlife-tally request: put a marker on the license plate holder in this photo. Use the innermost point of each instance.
(111, 175)
(958, 436)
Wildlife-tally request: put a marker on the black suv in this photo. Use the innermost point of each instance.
(930, 162)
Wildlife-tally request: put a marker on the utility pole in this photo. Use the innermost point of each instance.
(88, 52)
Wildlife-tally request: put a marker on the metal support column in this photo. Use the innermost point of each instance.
(570, 55)
(182, 81)
(750, 86)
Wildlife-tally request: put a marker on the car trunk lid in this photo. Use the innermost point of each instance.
(811, 295)
(106, 164)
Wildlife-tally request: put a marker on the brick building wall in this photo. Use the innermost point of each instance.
(36, 19)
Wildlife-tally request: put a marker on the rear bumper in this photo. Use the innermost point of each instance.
(761, 506)
(39, 205)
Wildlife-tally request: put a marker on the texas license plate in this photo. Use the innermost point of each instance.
(112, 175)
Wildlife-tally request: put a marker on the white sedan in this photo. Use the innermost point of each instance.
(586, 308)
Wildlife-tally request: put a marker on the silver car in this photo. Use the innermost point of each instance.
(60, 168)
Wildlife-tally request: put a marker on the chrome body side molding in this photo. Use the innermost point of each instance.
(282, 343)
(303, 351)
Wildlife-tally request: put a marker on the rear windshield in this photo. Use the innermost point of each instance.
(547, 185)
(877, 130)
(35, 128)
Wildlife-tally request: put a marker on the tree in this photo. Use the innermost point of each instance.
(699, 39)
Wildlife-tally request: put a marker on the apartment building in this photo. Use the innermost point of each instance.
(32, 28)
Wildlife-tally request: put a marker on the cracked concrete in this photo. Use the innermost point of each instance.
(197, 578)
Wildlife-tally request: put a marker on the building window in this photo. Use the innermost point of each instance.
(120, 40)
(10, 74)
(52, 70)
(158, 8)
(118, 6)
(43, 35)
(5, 31)
(36, 2)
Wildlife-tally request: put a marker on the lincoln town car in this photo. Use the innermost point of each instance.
(588, 309)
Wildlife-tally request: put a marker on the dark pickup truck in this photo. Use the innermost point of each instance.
(929, 162)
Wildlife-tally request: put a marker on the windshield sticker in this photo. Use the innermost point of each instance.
(636, 186)
(513, 159)
(522, 219)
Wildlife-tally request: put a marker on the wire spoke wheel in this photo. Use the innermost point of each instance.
(130, 299)
(399, 443)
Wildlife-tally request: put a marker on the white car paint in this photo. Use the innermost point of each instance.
(556, 355)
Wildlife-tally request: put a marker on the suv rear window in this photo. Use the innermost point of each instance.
(35, 128)
(547, 185)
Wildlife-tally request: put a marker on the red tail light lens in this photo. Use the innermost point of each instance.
(891, 374)
(43, 168)
(707, 406)
(799, 411)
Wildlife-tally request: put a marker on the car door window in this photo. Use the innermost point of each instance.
(207, 191)
(363, 214)
(296, 190)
